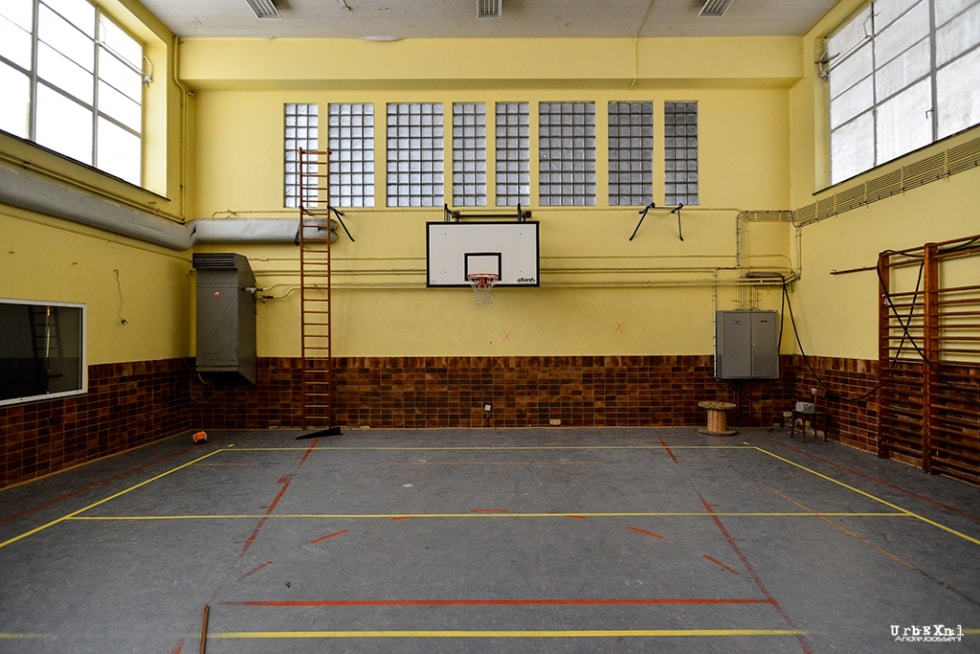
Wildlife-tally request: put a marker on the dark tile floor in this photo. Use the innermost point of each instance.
(522, 540)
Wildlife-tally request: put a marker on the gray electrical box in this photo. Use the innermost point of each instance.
(746, 345)
(225, 315)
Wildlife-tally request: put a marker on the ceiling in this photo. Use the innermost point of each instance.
(396, 19)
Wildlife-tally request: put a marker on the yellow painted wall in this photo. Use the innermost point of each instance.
(46, 259)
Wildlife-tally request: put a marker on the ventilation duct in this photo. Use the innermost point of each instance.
(263, 8)
(489, 8)
(225, 315)
(715, 7)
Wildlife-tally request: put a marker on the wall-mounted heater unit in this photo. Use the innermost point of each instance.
(746, 345)
(225, 315)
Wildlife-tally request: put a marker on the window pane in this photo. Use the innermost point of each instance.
(63, 125)
(853, 148)
(851, 71)
(948, 9)
(16, 106)
(81, 14)
(118, 106)
(902, 34)
(351, 144)
(681, 152)
(856, 100)
(300, 132)
(959, 94)
(630, 153)
(888, 11)
(120, 42)
(513, 140)
(66, 39)
(120, 76)
(958, 36)
(118, 152)
(567, 154)
(905, 122)
(905, 69)
(18, 12)
(64, 73)
(15, 42)
(469, 154)
(415, 155)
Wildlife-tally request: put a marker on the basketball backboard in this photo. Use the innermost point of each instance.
(457, 249)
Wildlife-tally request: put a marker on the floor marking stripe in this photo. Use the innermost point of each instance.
(285, 480)
(950, 530)
(645, 532)
(491, 463)
(78, 512)
(328, 536)
(583, 633)
(404, 516)
(721, 565)
(369, 448)
(669, 451)
(666, 601)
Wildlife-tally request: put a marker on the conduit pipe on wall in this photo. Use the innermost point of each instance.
(35, 192)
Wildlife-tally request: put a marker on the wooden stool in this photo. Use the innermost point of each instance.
(717, 418)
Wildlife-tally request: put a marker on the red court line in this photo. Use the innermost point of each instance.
(720, 564)
(285, 480)
(323, 538)
(309, 450)
(755, 576)
(667, 448)
(669, 601)
(252, 571)
(93, 486)
(644, 531)
(886, 484)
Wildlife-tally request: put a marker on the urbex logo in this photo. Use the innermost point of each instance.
(927, 633)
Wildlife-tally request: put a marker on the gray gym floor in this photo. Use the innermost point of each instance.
(524, 540)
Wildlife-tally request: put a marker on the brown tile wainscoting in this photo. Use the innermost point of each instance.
(130, 404)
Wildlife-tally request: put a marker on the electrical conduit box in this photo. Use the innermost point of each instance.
(746, 345)
(225, 316)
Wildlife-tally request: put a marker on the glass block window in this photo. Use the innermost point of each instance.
(301, 131)
(73, 82)
(351, 144)
(567, 154)
(902, 74)
(681, 153)
(513, 142)
(469, 154)
(630, 153)
(415, 155)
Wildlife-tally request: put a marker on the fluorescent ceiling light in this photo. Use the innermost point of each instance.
(263, 8)
(715, 7)
(489, 8)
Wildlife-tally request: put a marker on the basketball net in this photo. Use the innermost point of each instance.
(482, 284)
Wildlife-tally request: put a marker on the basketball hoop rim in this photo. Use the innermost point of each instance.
(482, 280)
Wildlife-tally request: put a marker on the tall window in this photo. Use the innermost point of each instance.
(630, 153)
(72, 82)
(681, 152)
(902, 74)
(415, 159)
(469, 154)
(351, 138)
(300, 132)
(567, 153)
(513, 141)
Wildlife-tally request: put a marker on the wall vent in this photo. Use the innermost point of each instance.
(715, 7)
(884, 186)
(927, 170)
(963, 157)
(489, 8)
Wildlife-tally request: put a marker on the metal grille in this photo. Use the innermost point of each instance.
(567, 147)
(630, 153)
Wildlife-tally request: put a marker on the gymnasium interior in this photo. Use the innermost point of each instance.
(489, 325)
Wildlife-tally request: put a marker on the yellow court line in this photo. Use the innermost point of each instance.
(335, 448)
(911, 514)
(405, 516)
(580, 633)
(75, 514)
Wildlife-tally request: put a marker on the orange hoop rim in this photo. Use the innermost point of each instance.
(482, 280)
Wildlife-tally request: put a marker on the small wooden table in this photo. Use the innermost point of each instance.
(717, 418)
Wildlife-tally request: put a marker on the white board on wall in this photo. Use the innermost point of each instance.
(456, 249)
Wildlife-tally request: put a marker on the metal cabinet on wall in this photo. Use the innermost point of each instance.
(746, 345)
(225, 315)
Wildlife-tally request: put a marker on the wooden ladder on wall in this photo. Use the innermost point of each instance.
(318, 378)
